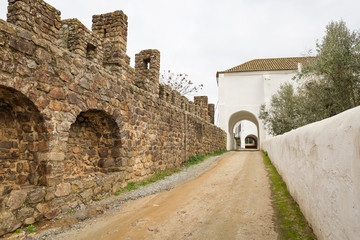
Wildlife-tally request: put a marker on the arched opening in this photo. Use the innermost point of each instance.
(242, 124)
(22, 137)
(251, 141)
(93, 145)
(241, 130)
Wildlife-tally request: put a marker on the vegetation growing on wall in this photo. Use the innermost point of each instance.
(327, 86)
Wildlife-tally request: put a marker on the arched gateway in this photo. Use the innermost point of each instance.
(242, 90)
(238, 117)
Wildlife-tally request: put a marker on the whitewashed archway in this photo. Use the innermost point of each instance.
(235, 118)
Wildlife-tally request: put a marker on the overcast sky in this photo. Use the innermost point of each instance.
(201, 37)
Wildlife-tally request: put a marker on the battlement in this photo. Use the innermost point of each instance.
(201, 101)
(112, 29)
(176, 98)
(147, 70)
(211, 112)
(184, 103)
(35, 16)
(199, 107)
(105, 45)
(165, 92)
(78, 39)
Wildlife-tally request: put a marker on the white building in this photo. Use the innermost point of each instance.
(242, 89)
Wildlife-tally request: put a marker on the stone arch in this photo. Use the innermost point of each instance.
(94, 145)
(235, 118)
(255, 139)
(23, 138)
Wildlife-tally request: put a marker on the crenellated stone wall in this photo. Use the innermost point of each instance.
(77, 122)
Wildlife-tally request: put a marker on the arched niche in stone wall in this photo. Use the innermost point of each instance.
(94, 145)
(238, 117)
(23, 137)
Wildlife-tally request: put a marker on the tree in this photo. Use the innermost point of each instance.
(284, 112)
(180, 83)
(327, 86)
(337, 68)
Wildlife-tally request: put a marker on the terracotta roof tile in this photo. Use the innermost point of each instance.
(270, 64)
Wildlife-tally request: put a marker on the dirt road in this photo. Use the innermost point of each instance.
(230, 201)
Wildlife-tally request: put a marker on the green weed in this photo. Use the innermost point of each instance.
(162, 174)
(17, 231)
(132, 186)
(31, 229)
(291, 224)
(193, 160)
(117, 193)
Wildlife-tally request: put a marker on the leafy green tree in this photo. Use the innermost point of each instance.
(283, 115)
(337, 68)
(327, 86)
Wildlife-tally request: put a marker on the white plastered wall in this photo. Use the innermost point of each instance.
(248, 129)
(320, 164)
(246, 91)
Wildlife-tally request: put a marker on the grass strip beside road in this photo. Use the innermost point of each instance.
(162, 174)
(196, 159)
(290, 222)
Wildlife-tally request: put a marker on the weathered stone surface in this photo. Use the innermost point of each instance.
(105, 163)
(25, 212)
(65, 209)
(16, 199)
(50, 194)
(43, 207)
(29, 221)
(94, 211)
(81, 215)
(6, 220)
(77, 186)
(97, 190)
(51, 214)
(43, 55)
(36, 195)
(5, 190)
(89, 183)
(87, 194)
(57, 93)
(22, 45)
(63, 189)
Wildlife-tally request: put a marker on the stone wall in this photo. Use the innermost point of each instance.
(77, 122)
(320, 164)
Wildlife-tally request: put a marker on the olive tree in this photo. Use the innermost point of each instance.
(337, 68)
(284, 112)
(326, 87)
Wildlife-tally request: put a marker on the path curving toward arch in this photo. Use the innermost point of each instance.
(229, 201)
